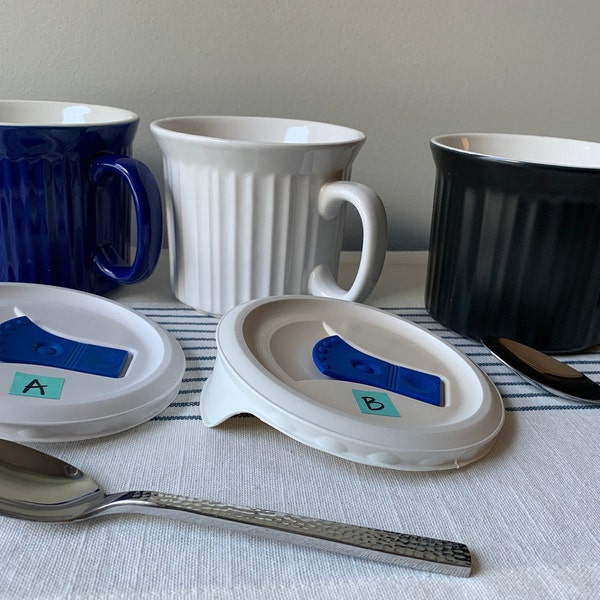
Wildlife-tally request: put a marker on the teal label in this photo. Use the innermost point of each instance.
(375, 403)
(36, 386)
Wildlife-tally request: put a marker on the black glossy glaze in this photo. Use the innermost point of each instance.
(514, 251)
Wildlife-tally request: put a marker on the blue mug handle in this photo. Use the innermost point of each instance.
(148, 214)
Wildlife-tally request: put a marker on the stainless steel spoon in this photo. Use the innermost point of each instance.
(39, 487)
(547, 372)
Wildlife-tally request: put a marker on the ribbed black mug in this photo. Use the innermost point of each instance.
(514, 246)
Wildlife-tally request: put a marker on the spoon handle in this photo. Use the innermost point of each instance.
(412, 551)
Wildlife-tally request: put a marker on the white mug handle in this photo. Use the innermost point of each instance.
(372, 214)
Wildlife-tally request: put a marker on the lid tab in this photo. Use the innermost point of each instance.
(22, 341)
(337, 359)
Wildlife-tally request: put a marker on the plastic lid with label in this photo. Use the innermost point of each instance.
(268, 365)
(75, 365)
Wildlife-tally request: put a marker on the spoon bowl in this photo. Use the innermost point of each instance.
(38, 487)
(548, 373)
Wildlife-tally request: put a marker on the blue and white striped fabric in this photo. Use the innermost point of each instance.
(518, 395)
(196, 334)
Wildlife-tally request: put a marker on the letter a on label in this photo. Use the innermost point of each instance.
(36, 386)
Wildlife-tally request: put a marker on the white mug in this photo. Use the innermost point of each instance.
(255, 208)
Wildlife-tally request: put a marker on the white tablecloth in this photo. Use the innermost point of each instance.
(528, 510)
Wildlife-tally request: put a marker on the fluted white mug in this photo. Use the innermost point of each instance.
(255, 207)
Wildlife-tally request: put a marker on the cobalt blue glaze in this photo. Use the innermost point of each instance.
(338, 360)
(66, 220)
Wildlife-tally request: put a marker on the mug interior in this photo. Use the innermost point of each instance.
(524, 148)
(58, 114)
(262, 130)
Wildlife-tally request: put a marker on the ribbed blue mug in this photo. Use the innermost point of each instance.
(67, 187)
(514, 248)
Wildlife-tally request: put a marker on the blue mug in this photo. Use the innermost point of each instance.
(67, 185)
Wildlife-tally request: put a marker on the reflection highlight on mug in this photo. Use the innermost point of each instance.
(75, 114)
(297, 135)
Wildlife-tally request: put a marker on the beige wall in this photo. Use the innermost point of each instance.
(400, 70)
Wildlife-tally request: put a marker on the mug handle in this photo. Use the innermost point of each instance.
(372, 214)
(148, 214)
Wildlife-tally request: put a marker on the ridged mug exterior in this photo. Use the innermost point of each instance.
(244, 219)
(514, 248)
(65, 207)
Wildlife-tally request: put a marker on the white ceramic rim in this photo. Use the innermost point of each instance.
(524, 149)
(92, 114)
(346, 135)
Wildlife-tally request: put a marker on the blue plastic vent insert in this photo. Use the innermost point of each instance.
(337, 359)
(22, 341)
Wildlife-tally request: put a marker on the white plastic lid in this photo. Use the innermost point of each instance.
(47, 403)
(265, 367)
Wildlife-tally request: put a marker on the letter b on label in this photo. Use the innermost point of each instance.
(375, 403)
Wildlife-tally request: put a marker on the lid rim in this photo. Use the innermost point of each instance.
(484, 411)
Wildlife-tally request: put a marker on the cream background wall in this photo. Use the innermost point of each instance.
(400, 70)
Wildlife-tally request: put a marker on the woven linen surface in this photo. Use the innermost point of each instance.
(528, 510)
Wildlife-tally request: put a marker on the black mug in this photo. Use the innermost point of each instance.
(514, 248)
